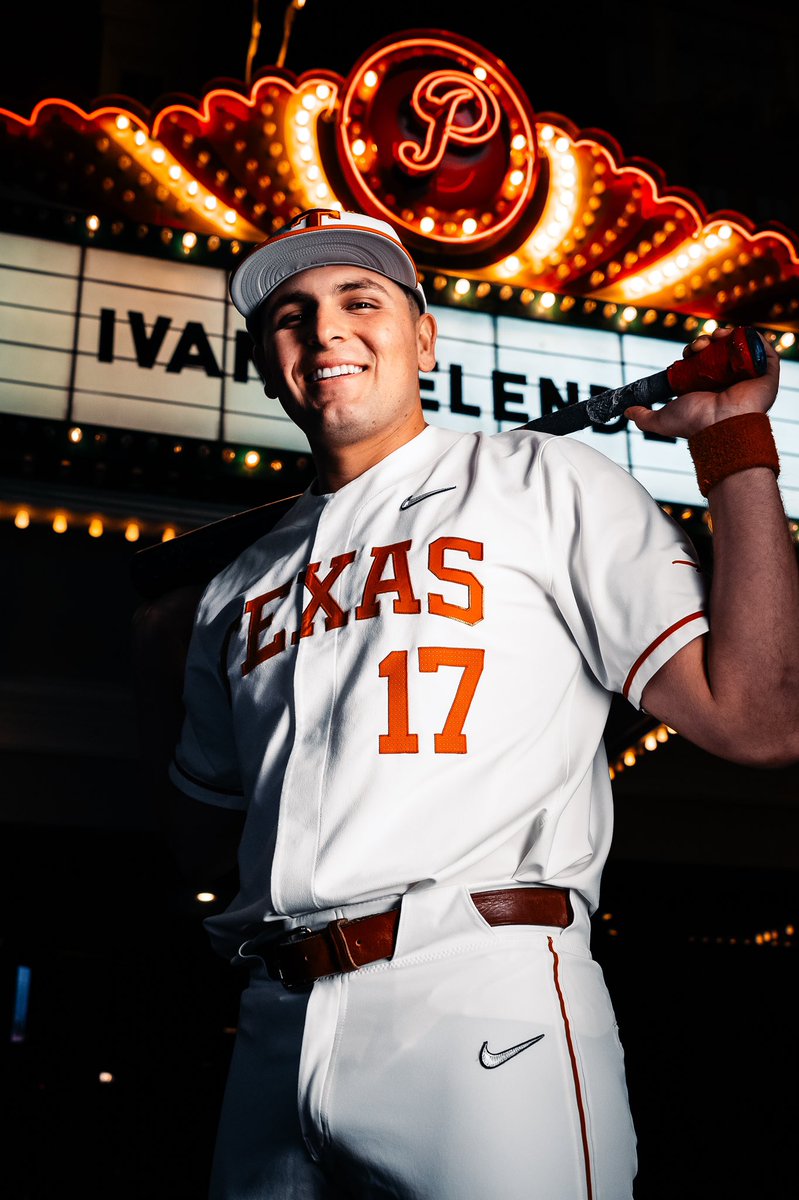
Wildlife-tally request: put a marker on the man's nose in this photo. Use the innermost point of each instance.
(327, 324)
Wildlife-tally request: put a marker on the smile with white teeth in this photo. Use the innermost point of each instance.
(333, 372)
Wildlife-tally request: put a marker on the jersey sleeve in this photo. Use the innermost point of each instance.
(623, 574)
(205, 764)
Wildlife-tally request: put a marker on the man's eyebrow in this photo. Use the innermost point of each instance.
(358, 285)
(298, 296)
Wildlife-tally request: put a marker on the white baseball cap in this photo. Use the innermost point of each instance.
(323, 237)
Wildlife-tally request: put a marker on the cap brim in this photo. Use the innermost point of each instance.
(281, 258)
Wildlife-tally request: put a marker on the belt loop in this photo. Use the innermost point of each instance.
(344, 960)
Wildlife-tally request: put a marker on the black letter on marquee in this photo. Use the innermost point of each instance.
(242, 356)
(427, 385)
(501, 397)
(105, 346)
(194, 350)
(147, 345)
(456, 404)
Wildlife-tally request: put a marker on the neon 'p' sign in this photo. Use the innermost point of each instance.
(436, 136)
(455, 108)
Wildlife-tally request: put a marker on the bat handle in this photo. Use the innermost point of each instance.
(722, 363)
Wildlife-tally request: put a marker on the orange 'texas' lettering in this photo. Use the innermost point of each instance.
(436, 100)
(472, 612)
(321, 598)
(399, 582)
(258, 624)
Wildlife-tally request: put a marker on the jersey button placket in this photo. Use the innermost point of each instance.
(314, 686)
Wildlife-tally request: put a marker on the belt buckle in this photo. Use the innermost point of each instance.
(295, 935)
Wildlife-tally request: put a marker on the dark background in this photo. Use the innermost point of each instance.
(705, 855)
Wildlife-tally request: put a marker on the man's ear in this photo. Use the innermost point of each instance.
(426, 332)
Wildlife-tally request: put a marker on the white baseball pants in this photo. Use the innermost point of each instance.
(396, 1081)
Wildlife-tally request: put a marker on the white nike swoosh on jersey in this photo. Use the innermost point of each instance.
(490, 1060)
(409, 500)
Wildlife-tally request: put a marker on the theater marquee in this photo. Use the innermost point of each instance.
(105, 338)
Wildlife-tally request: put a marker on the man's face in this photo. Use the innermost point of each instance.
(341, 348)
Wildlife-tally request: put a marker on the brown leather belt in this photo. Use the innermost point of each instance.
(346, 945)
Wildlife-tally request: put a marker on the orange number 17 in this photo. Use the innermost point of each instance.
(394, 669)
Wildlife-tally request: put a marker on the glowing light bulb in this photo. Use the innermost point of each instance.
(518, 142)
(322, 91)
(547, 133)
(629, 313)
(370, 79)
(175, 172)
(193, 188)
(462, 287)
(22, 518)
(562, 145)
(132, 532)
(205, 897)
(480, 73)
(427, 224)
(516, 178)
(276, 464)
(95, 527)
(709, 326)
(60, 523)
(105, 1077)
(469, 226)
(140, 137)
(210, 203)
(512, 264)
(159, 154)
(650, 742)
(93, 223)
(168, 534)
(358, 147)
(252, 459)
(231, 217)
(75, 434)
(123, 123)
(629, 758)
(189, 240)
(302, 117)
(547, 300)
(725, 232)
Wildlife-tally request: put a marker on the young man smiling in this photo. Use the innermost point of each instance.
(343, 350)
(394, 704)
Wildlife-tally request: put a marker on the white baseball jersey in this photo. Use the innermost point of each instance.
(407, 681)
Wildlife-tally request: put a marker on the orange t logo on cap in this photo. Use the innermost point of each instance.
(313, 218)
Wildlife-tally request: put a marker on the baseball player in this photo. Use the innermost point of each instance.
(395, 701)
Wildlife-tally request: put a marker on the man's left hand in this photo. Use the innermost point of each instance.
(686, 415)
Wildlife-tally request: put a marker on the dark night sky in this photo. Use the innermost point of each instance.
(711, 96)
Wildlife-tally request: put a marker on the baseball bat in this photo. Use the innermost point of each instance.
(196, 556)
(722, 363)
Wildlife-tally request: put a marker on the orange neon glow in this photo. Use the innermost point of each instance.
(437, 99)
(458, 94)
(503, 196)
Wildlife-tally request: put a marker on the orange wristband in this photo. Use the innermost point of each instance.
(732, 445)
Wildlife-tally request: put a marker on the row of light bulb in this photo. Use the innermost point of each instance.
(651, 741)
(60, 523)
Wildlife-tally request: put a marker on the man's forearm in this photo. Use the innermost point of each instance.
(753, 646)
